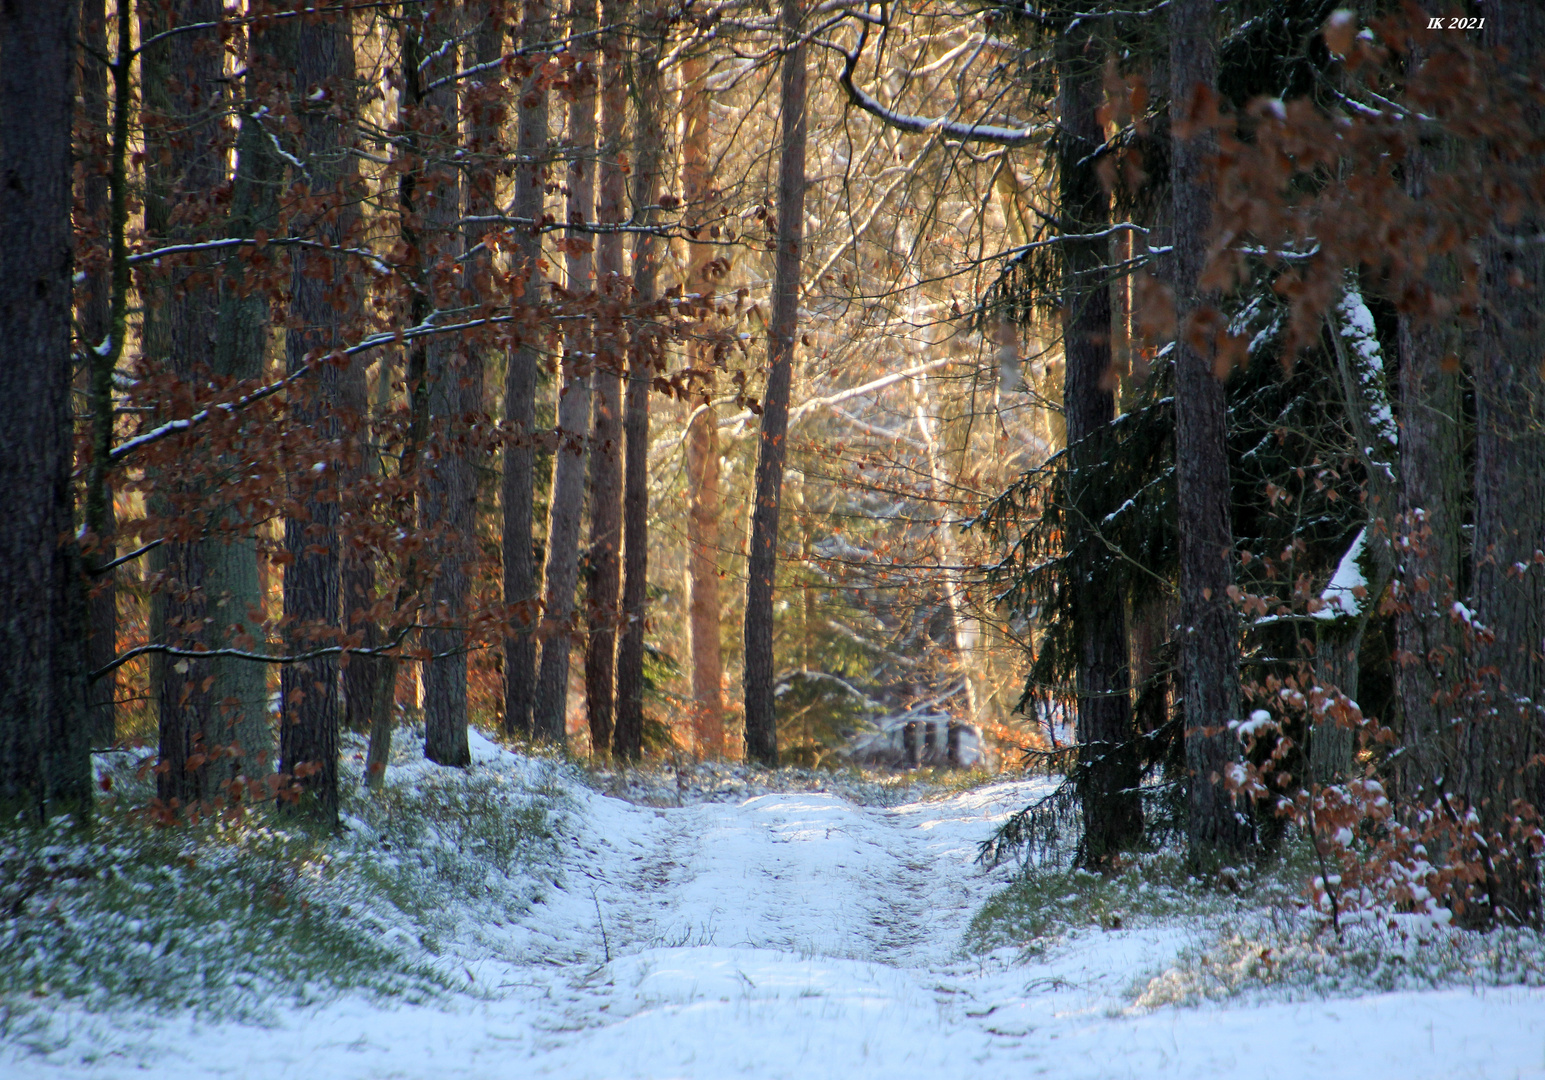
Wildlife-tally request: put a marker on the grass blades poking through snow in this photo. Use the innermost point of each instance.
(1046, 903)
(229, 919)
(1255, 962)
(214, 918)
(1250, 934)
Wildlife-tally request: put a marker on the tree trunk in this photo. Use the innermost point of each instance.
(604, 583)
(233, 595)
(565, 511)
(1209, 661)
(420, 195)
(965, 632)
(704, 612)
(185, 162)
(1504, 773)
(95, 315)
(454, 375)
(314, 579)
(45, 767)
(1431, 511)
(1360, 364)
(520, 396)
(644, 357)
(1109, 768)
(761, 715)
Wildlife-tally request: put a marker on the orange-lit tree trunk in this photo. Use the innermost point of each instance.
(702, 443)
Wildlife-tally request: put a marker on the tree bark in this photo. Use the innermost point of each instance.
(520, 588)
(313, 581)
(1209, 661)
(95, 315)
(45, 766)
(549, 720)
(1432, 497)
(1109, 767)
(454, 374)
(644, 359)
(604, 582)
(185, 162)
(1504, 774)
(233, 595)
(704, 614)
(761, 714)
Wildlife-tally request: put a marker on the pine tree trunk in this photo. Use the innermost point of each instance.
(704, 613)
(454, 377)
(1209, 662)
(420, 209)
(604, 583)
(549, 719)
(1505, 772)
(361, 674)
(313, 580)
(644, 357)
(95, 315)
(520, 588)
(233, 596)
(761, 715)
(45, 766)
(1432, 499)
(185, 160)
(1109, 769)
(1360, 365)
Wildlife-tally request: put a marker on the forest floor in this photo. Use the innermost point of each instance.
(813, 933)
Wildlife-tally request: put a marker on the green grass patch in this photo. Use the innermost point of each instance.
(232, 918)
(1047, 902)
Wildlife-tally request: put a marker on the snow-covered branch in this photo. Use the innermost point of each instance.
(995, 134)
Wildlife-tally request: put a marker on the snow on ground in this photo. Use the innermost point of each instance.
(802, 935)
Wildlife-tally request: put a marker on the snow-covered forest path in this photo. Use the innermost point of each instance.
(804, 935)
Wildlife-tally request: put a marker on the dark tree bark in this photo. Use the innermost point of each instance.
(1209, 661)
(762, 569)
(181, 86)
(94, 306)
(45, 765)
(645, 357)
(323, 65)
(1432, 500)
(455, 387)
(604, 581)
(419, 214)
(520, 586)
(1503, 772)
(233, 594)
(1109, 767)
(549, 717)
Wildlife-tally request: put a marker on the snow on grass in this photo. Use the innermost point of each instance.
(719, 922)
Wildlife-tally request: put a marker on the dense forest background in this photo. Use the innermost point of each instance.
(1151, 390)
